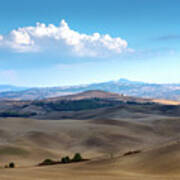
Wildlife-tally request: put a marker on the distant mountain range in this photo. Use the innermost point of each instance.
(122, 86)
(6, 88)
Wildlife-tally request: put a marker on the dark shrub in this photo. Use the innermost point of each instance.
(77, 157)
(65, 160)
(11, 165)
(6, 166)
(132, 152)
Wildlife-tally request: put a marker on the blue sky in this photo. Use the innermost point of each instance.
(67, 42)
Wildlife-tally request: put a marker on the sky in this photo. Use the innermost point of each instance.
(67, 42)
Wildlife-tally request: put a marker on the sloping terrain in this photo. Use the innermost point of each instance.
(105, 141)
(100, 137)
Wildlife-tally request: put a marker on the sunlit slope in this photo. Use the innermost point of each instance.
(29, 141)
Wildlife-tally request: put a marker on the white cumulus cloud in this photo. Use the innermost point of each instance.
(62, 39)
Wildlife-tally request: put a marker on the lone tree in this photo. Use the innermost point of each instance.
(11, 165)
(77, 157)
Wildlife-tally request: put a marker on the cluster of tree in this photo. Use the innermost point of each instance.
(77, 158)
(16, 114)
(76, 105)
(64, 160)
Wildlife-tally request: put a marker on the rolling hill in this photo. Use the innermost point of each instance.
(102, 126)
(85, 105)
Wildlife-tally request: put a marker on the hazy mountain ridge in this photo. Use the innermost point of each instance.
(123, 86)
(6, 88)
